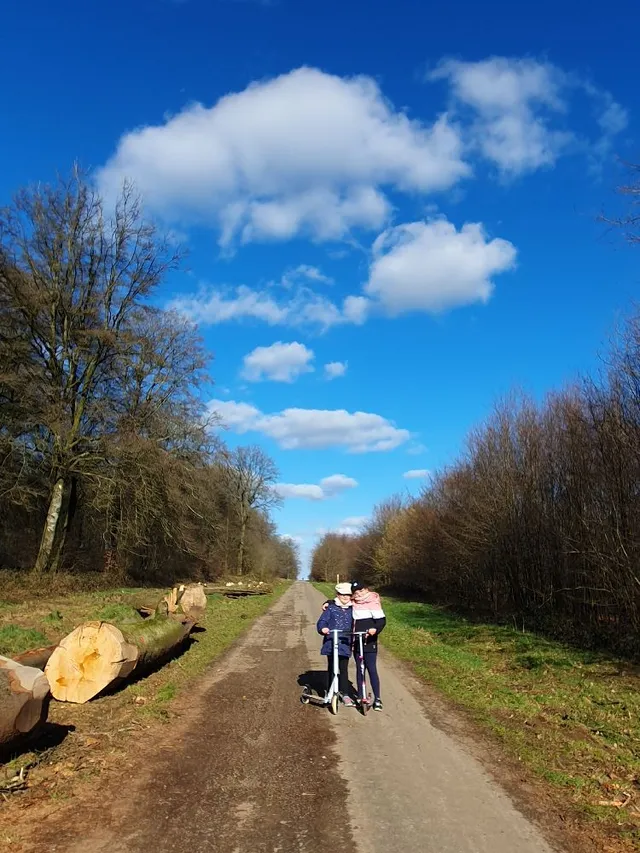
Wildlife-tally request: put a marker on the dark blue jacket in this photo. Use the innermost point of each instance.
(336, 619)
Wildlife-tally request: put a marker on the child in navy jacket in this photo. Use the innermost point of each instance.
(338, 616)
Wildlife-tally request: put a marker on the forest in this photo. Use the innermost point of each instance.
(111, 467)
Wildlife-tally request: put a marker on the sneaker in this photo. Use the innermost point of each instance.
(377, 705)
(348, 702)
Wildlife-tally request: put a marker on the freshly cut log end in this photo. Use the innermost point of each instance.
(23, 694)
(96, 654)
(89, 659)
(193, 601)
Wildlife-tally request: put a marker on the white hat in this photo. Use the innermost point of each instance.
(343, 588)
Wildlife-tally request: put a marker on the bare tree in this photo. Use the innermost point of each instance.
(250, 477)
(73, 284)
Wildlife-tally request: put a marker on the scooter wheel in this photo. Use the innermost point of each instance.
(304, 699)
(334, 704)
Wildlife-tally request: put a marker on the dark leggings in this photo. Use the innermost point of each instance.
(343, 676)
(371, 665)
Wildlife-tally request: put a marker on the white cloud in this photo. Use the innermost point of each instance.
(236, 416)
(302, 309)
(335, 369)
(279, 362)
(304, 272)
(416, 449)
(337, 483)
(513, 101)
(356, 432)
(417, 266)
(430, 266)
(304, 153)
(416, 474)
(351, 526)
(328, 487)
(309, 491)
(518, 107)
(216, 306)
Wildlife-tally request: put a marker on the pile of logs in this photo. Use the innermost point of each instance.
(236, 591)
(92, 658)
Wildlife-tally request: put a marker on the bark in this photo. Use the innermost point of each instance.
(23, 699)
(241, 541)
(43, 560)
(68, 512)
(35, 657)
(97, 654)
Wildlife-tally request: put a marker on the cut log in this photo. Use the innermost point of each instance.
(35, 657)
(235, 592)
(184, 603)
(193, 602)
(23, 699)
(97, 654)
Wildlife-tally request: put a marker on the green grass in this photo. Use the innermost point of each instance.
(15, 639)
(572, 716)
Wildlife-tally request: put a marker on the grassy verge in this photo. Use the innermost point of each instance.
(571, 716)
(101, 730)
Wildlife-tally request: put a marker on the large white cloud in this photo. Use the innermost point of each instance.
(356, 432)
(328, 487)
(518, 109)
(431, 266)
(279, 362)
(304, 153)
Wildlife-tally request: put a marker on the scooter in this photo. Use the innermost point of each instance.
(364, 698)
(332, 695)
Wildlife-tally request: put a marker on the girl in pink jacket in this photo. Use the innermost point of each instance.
(368, 616)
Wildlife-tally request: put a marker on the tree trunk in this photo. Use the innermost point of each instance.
(35, 657)
(67, 514)
(23, 694)
(43, 560)
(226, 548)
(96, 654)
(243, 531)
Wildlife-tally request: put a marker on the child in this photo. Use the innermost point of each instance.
(368, 616)
(338, 616)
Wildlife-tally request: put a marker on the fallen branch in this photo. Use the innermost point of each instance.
(17, 783)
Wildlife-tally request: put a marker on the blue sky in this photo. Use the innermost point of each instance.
(405, 192)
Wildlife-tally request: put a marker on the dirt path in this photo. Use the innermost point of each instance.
(250, 769)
